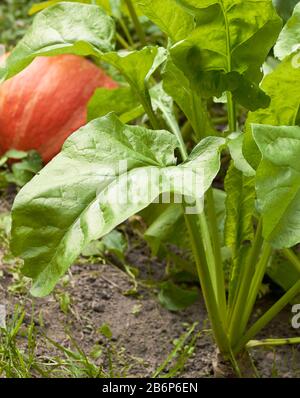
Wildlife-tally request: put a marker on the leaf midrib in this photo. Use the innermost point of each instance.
(228, 42)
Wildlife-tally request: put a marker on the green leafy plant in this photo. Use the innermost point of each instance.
(215, 48)
(25, 166)
(14, 21)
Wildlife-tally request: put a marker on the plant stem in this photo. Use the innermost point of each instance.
(272, 342)
(231, 113)
(122, 41)
(268, 316)
(126, 32)
(210, 276)
(136, 22)
(246, 278)
(206, 285)
(198, 119)
(220, 120)
(179, 345)
(172, 122)
(293, 259)
(212, 246)
(187, 129)
(214, 264)
(212, 216)
(202, 220)
(205, 234)
(212, 250)
(255, 285)
(149, 110)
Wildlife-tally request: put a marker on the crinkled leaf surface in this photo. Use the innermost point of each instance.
(72, 28)
(278, 183)
(168, 16)
(289, 38)
(283, 87)
(84, 192)
(228, 47)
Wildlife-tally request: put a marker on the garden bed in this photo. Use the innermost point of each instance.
(144, 334)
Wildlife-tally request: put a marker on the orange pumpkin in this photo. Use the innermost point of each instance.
(45, 103)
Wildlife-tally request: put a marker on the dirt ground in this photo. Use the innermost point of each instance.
(143, 332)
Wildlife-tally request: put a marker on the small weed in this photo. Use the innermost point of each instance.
(16, 360)
(183, 349)
(19, 356)
(64, 301)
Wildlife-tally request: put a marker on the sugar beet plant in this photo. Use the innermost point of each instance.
(215, 48)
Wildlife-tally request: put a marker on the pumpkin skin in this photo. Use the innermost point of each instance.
(45, 103)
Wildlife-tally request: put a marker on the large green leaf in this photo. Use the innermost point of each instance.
(176, 298)
(283, 272)
(228, 47)
(235, 145)
(285, 7)
(45, 4)
(72, 28)
(167, 14)
(189, 101)
(131, 102)
(113, 7)
(167, 228)
(137, 67)
(289, 38)
(58, 213)
(283, 87)
(278, 183)
(239, 221)
(239, 209)
(119, 100)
